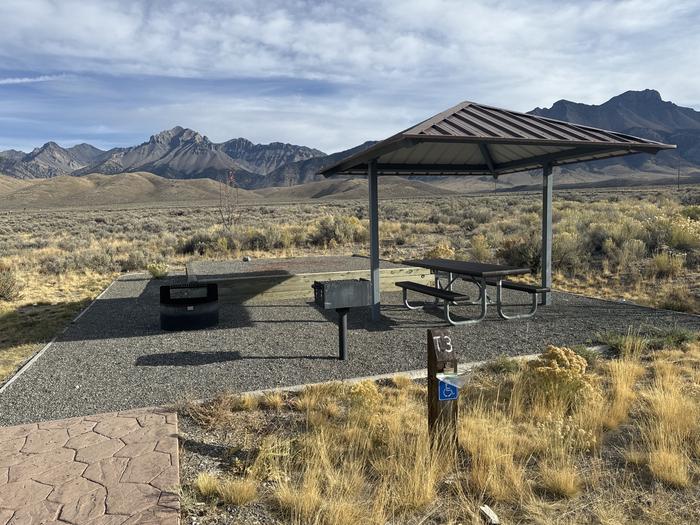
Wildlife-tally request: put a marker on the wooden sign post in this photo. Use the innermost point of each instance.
(442, 397)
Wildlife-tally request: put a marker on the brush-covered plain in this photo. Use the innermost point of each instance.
(641, 245)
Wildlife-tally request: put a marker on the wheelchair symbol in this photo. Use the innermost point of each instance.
(446, 392)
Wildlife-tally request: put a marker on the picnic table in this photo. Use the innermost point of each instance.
(482, 275)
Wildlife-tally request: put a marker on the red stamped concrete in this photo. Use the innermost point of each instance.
(110, 469)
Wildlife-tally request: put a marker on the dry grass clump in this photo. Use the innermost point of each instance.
(677, 296)
(229, 490)
(442, 250)
(622, 375)
(669, 466)
(670, 425)
(206, 484)
(561, 480)
(218, 412)
(497, 463)
(237, 491)
(628, 346)
(272, 400)
(402, 382)
(367, 461)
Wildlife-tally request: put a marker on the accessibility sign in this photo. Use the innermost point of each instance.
(446, 392)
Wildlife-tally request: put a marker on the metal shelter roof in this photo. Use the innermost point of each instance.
(473, 139)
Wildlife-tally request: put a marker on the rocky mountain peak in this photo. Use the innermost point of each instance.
(49, 146)
(646, 96)
(177, 136)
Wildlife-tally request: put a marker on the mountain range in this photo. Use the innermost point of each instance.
(642, 114)
(181, 153)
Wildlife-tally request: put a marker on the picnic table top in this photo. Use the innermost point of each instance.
(473, 269)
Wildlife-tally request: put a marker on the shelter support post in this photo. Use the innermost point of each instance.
(374, 237)
(546, 263)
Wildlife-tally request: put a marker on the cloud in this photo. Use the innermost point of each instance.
(336, 71)
(29, 80)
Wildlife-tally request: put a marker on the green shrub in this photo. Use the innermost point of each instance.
(558, 377)
(677, 297)
(135, 260)
(692, 212)
(340, 229)
(442, 250)
(200, 243)
(568, 254)
(666, 265)
(479, 249)
(671, 338)
(503, 365)
(53, 265)
(158, 270)
(685, 234)
(597, 234)
(589, 354)
(626, 257)
(628, 346)
(521, 251)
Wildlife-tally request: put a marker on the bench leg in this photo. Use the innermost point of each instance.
(406, 303)
(483, 301)
(503, 315)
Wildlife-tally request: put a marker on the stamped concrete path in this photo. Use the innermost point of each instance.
(110, 469)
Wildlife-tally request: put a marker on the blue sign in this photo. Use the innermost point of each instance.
(446, 392)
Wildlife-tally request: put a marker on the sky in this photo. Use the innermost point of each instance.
(328, 75)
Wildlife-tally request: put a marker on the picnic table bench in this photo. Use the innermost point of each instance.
(482, 275)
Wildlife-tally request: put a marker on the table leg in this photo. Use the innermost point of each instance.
(482, 314)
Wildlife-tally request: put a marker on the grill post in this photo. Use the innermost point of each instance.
(341, 295)
(342, 333)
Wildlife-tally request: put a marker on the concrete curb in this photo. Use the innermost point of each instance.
(26, 365)
(422, 373)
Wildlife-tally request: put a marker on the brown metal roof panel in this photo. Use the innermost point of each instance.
(577, 132)
(467, 124)
(485, 126)
(509, 127)
(459, 127)
(537, 128)
(517, 129)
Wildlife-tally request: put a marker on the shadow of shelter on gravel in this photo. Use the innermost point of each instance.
(138, 315)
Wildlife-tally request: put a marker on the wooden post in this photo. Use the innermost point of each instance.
(442, 414)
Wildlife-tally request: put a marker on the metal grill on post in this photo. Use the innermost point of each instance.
(442, 397)
(341, 296)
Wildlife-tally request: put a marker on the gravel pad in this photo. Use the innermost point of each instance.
(116, 357)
